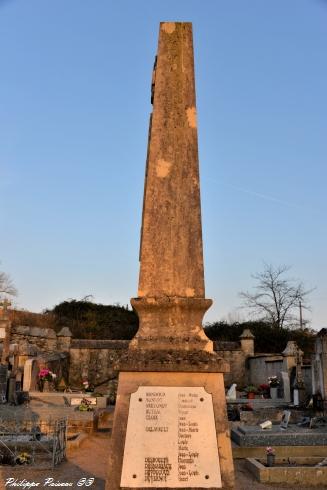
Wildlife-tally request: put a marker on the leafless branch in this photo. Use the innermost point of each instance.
(6, 285)
(276, 297)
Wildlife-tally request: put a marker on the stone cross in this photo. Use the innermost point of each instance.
(5, 305)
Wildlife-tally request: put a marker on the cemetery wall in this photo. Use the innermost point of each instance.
(94, 360)
(237, 363)
(261, 366)
(44, 339)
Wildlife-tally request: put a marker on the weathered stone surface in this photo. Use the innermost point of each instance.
(98, 363)
(171, 299)
(319, 375)
(171, 361)
(171, 246)
(162, 319)
(64, 332)
(303, 471)
(44, 339)
(247, 334)
(292, 436)
(99, 344)
(5, 327)
(35, 331)
(170, 348)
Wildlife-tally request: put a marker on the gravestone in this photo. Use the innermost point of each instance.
(3, 383)
(5, 327)
(285, 419)
(170, 427)
(30, 377)
(286, 386)
(296, 398)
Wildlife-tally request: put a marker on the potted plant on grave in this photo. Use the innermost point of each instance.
(270, 452)
(46, 379)
(85, 406)
(273, 386)
(264, 390)
(251, 391)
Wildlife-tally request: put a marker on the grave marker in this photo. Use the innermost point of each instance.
(285, 419)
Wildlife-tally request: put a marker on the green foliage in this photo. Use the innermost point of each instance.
(87, 320)
(268, 338)
(251, 389)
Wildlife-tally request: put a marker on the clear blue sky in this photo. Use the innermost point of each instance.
(74, 109)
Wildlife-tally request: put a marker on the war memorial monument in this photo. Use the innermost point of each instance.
(170, 427)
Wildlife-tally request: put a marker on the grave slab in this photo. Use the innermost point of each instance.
(276, 436)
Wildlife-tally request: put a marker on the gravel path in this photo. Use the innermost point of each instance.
(89, 461)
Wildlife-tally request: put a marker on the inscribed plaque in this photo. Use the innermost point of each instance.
(2, 332)
(171, 439)
(78, 401)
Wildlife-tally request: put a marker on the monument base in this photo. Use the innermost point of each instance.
(170, 430)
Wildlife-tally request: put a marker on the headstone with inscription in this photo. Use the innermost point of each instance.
(170, 427)
(3, 383)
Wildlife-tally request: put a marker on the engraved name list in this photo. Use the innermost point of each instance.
(171, 439)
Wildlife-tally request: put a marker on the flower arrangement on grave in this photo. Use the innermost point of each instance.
(270, 452)
(87, 387)
(46, 375)
(23, 458)
(264, 390)
(273, 381)
(85, 405)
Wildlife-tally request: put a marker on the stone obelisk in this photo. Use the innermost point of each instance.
(170, 425)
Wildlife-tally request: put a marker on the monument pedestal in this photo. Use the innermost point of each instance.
(170, 426)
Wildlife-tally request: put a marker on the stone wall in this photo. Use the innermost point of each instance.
(236, 358)
(44, 339)
(94, 360)
(261, 366)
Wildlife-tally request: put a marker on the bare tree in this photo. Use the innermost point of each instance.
(276, 297)
(6, 285)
